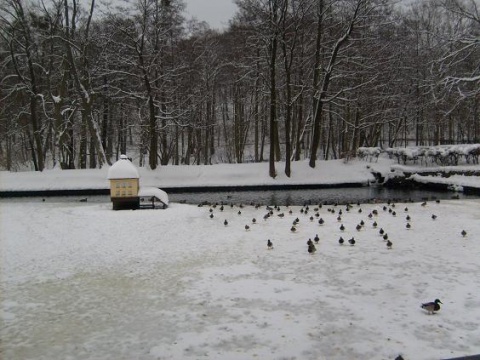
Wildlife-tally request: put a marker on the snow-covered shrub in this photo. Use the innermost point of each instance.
(444, 155)
(471, 152)
(369, 153)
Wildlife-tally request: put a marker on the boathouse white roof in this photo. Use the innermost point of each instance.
(153, 191)
(123, 169)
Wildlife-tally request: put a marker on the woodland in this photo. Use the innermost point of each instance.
(82, 82)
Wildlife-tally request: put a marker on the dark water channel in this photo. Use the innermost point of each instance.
(316, 196)
(284, 197)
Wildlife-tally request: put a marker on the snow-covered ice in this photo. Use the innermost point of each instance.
(80, 281)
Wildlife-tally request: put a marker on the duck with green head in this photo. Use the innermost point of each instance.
(432, 307)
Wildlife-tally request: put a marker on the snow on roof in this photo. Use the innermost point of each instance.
(153, 191)
(123, 169)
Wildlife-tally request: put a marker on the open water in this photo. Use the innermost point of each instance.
(285, 197)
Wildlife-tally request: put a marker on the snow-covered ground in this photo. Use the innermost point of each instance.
(80, 281)
(326, 172)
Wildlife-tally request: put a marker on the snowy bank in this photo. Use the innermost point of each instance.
(255, 174)
(326, 173)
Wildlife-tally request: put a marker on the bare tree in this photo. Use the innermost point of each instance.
(358, 7)
(458, 64)
(17, 33)
(78, 45)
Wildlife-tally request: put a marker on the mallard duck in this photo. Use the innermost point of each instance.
(408, 226)
(311, 249)
(247, 227)
(389, 244)
(309, 242)
(316, 239)
(351, 241)
(269, 244)
(432, 307)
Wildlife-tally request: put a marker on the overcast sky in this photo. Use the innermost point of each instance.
(215, 12)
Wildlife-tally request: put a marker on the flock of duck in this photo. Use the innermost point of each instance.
(312, 213)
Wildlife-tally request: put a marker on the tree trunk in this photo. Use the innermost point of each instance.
(273, 92)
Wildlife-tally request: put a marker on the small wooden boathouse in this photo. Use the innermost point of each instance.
(124, 184)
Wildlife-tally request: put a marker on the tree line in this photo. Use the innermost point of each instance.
(288, 80)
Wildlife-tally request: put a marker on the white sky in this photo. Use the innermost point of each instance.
(215, 12)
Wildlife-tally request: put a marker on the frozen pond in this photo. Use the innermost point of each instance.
(79, 281)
